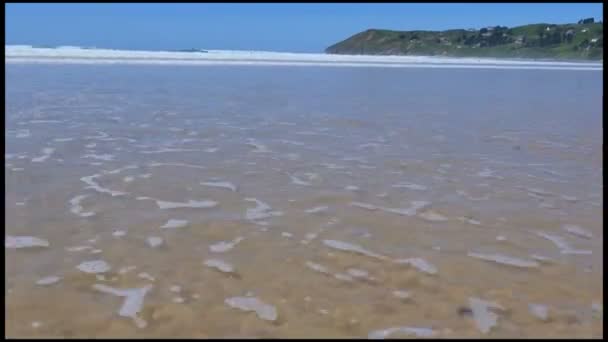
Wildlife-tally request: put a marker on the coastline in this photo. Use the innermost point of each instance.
(71, 55)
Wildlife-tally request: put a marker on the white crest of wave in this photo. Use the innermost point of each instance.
(75, 54)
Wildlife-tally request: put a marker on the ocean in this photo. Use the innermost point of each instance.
(252, 194)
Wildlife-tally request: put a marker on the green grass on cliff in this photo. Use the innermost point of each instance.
(541, 41)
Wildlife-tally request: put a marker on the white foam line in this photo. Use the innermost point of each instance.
(220, 265)
(261, 211)
(164, 150)
(416, 206)
(577, 231)
(562, 244)
(106, 157)
(298, 181)
(410, 186)
(63, 139)
(316, 210)
(48, 60)
(93, 185)
(417, 332)
(225, 246)
(503, 259)
(44, 121)
(46, 154)
(259, 147)
(23, 133)
(24, 242)
(420, 264)
(74, 52)
(349, 247)
(189, 204)
(225, 185)
(77, 208)
(153, 164)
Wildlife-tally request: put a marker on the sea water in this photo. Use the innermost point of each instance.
(324, 191)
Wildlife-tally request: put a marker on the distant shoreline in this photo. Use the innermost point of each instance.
(75, 55)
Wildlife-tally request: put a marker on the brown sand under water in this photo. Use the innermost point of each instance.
(332, 181)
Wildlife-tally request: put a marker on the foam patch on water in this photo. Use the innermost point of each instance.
(145, 275)
(94, 266)
(568, 198)
(225, 246)
(166, 149)
(420, 264)
(538, 192)
(401, 294)
(155, 164)
(263, 311)
(410, 186)
(48, 280)
(503, 259)
(133, 302)
(95, 186)
(115, 171)
(316, 210)
(487, 173)
(359, 273)
(78, 248)
(349, 247)
(189, 204)
(332, 166)
(223, 184)
(432, 216)
(220, 265)
(175, 223)
(14, 242)
(44, 121)
(119, 233)
(539, 311)
(154, 241)
(63, 139)
(385, 333)
(317, 267)
(469, 221)
(261, 211)
(104, 157)
(298, 181)
(412, 210)
(471, 198)
(577, 231)
(77, 209)
(259, 147)
(541, 258)
(562, 244)
(126, 269)
(485, 319)
(343, 277)
(23, 133)
(46, 154)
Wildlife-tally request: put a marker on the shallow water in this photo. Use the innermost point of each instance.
(267, 170)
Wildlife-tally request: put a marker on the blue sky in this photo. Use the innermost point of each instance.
(274, 27)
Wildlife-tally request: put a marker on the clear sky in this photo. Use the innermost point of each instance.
(305, 27)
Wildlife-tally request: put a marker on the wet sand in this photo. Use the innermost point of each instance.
(328, 194)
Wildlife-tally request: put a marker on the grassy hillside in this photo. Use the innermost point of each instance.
(568, 41)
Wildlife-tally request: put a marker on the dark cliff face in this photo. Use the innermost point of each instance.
(568, 41)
